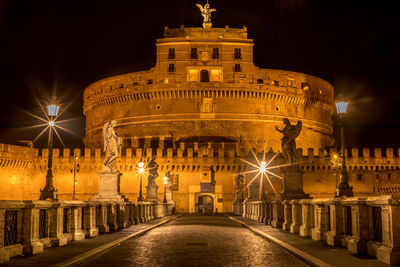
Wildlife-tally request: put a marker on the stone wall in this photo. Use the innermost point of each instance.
(23, 171)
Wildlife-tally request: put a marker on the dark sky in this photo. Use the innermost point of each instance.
(62, 46)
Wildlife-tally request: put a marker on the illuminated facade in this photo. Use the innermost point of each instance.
(198, 111)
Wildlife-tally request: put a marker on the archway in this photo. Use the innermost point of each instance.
(205, 204)
(204, 76)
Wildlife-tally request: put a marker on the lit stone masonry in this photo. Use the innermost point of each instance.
(29, 227)
(363, 225)
(23, 170)
(205, 86)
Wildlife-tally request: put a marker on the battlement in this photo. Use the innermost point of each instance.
(219, 34)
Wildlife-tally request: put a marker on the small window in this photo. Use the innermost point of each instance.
(359, 177)
(237, 68)
(135, 84)
(171, 68)
(204, 76)
(260, 81)
(193, 53)
(171, 53)
(276, 83)
(238, 54)
(389, 176)
(149, 81)
(215, 54)
(305, 86)
(121, 86)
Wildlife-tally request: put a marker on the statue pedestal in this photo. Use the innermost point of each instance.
(151, 193)
(207, 25)
(109, 189)
(292, 184)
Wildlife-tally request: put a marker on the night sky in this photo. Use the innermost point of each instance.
(62, 46)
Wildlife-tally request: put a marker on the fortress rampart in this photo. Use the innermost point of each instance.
(23, 171)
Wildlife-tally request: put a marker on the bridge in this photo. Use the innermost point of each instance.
(260, 233)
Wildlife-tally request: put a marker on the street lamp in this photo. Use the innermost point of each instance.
(165, 189)
(141, 171)
(75, 170)
(344, 189)
(262, 169)
(49, 191)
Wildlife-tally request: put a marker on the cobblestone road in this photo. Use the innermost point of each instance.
(197, 241)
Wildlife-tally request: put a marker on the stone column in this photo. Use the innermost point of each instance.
(307, 214)
(389, 252)
(357, 243)
(109, 187)
(77, 230)
(296, 216)
(102, 217)
(122, 215)
(57, 236)
(334, 236)
(287, 214)
(320, 220)
(89, 223)
(277, 220)
(270, 212)
(32, 243)
(112, 216)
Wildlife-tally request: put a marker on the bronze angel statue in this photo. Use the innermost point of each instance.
(206, 12)
(112, 145)
(290, 133)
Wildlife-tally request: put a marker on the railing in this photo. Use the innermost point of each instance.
(31, 226)
(362, 225)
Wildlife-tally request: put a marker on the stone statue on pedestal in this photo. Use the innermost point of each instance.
(112, 145)
(151, 180)
(292, 175)
(290, 133)
(109, 179)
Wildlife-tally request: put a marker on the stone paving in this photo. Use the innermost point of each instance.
(56, 255)
(330, 256)
(197, 241)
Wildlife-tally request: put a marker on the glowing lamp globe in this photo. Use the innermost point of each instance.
(263, 166)
(165, 179)
(52, 110)
(341, 107)
(141, 167)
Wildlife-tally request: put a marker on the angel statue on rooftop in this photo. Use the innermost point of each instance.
(290, 133)
(206, 12)
(112, 145)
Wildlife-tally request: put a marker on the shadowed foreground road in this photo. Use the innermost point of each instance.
(197, 241)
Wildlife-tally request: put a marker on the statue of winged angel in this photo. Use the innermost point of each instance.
(206, 12)
(290, 133)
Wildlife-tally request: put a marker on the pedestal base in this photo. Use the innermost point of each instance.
(109, 189)
(292, 184)
(152, 193)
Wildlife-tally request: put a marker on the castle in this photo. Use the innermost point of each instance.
(202, 108)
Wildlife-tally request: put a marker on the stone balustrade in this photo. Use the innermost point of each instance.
(364, 225)
(31, 226)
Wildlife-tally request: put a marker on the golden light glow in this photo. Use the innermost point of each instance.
(165, 179)
(264, 169)
(141, 167)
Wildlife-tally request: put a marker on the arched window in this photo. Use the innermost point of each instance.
(204, 76)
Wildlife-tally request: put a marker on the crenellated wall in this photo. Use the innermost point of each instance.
(23, 171)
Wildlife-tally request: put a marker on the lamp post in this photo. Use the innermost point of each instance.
(344, 189)
(141, 171)
(75, 170)
(165, 189)
(49, 192)
(262, 169)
